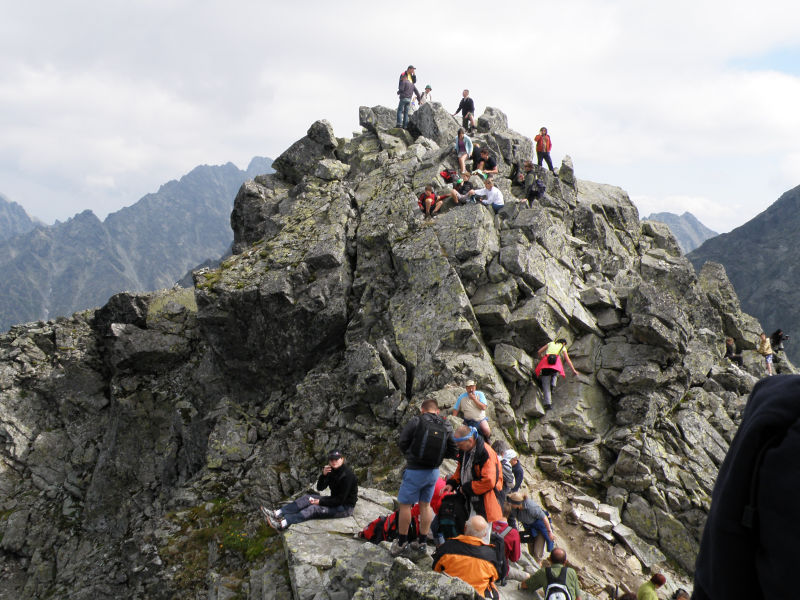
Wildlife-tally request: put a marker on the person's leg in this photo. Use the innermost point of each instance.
(516, 574)
(294, 507)
(403, 519)
(462, 163)
(471, 118)
(537, 548)
(485, 430)
(399, 121)
(425, 519)
(405, 113)
(313, 511)
(428, 203)
(548, 161)
(539, 157)
(546, 389)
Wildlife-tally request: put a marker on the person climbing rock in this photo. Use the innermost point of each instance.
(463, 147)
(731, 352)
(425, 441)
(543, 147)
(467, 109)
(406, 90)
(556, 574)
(535, 522)
(472, 405)
(776, 341)
(647, 591)
(341, 502)
(765, 349)
(550, 367)
(490, 196)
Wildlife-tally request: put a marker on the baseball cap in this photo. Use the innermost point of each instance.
(334, 454)
(469, 383)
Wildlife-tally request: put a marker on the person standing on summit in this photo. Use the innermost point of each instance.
(467, 109)
(543, 147)
(406, 90)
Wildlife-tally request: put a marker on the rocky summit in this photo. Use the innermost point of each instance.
(139, 440)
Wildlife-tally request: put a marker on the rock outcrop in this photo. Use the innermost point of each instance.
(137, 441)
(688, 231)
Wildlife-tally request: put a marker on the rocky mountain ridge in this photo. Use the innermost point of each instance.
(58, 269)
(688, 231)
(13, 219)
(137, 441)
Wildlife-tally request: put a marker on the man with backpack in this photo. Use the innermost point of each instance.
(406, 90)
(425, 441)
(559, 581)
(512, 546)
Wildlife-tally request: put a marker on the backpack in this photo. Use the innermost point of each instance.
(508, 475)
(536, 190)
(452, 515)
(449, 175)
(385, 529)
(498, 541)
(430, 441)
(556, 586)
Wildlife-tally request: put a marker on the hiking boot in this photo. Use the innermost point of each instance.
(396, 549)
(417, 550)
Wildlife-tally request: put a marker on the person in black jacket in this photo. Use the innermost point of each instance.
(344, 494)
(467, 109)
(750, 541)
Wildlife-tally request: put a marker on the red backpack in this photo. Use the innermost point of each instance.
(385, 529)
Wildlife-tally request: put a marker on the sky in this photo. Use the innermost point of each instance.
(688, 106)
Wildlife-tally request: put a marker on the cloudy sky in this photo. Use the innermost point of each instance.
(686, 105)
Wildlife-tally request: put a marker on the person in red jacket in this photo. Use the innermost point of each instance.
(543, 147)
(428, 200)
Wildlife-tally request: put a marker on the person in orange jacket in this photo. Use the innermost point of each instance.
(543, 147)
(478, 474)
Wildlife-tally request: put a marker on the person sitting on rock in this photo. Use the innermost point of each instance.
(344, 495)
(559, 573)
(512, 545)
(428, 199)
(647, 591)
(550, 367)
(458, 193)
(535, 523)
(463, 148)
(467, 108)
(484, 162)
(470, 559)
(765, 350)
(490, 196)
(472, 405)
(731, 354)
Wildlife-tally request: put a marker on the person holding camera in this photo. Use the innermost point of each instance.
(550, 367)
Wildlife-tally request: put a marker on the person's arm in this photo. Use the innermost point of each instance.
(540, 351)
(535, 581)
(468, 145)
(339, 496)
(481, 404)
(569, 362)
(460, 106)
(457, 406)
(486, 482)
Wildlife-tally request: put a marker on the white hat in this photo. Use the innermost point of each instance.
(469, 383)
(509, 454)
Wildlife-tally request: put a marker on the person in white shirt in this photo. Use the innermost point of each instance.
(490, 195)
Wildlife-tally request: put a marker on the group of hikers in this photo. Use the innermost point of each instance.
(769, 347)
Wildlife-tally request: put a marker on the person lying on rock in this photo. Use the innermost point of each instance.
(550, 367)
(428, 202)
(490, 195)
(344, 495)
(472, 405)
(535, 522)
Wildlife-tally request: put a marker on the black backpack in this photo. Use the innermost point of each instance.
(498, 541)
(536, 190)
(430, 440)
(452, 515)
(556, 586)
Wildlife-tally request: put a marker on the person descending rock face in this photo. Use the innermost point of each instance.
(472, 405)
(428, 202)
(406, 90)
(647, 591)
(535, 521)
(344, 495)
(751, 536)
(731, 354)
(550, 367)
(425, 441)
(478, 474)
(765, 349)
(490, 196)
(463, 147)
(470, 559)
(543, 147)
(467, 109)
(558, 578)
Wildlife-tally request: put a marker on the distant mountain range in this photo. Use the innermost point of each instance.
(762, 259)
(56, 270)
(689, 232)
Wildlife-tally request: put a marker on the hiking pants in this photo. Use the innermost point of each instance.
(302, 510)
(548, 383)
(544, 156)
(402, 112)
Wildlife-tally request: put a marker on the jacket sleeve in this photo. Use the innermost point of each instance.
(407, 434)
(339, 496)
(322, 482)
(468, 145)
(488, 478)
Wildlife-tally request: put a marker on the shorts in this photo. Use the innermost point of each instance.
(474, 423)
(417, 485)
(768, 358)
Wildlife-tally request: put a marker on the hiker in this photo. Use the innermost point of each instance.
(463, 148)
(550, 367)
(647, 591)
(765, 349)
(491, 196)
(472, 405)
(516, 469)
(731, 354)
(406, 90)
(428, 199)
(500, 448)
(776, 341)
(426, 96)
(543, 146)
(559, 574)
(536, 191)
(470, 559)
(425, 441)
(484, 162)
(458, 193)
(750, 539)
(344, 495)
(535, 522)
(511, 545)
(477, 475)
(467, 109)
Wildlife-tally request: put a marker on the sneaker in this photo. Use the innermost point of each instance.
(396, 549)
(267, 513)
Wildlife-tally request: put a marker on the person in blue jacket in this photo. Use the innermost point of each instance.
(463, 147)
